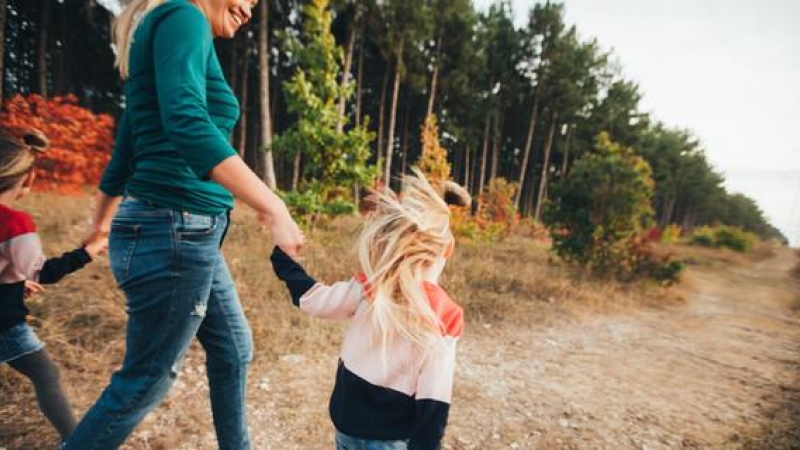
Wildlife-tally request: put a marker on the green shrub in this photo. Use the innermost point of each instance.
(671, 234)
(723, 236)
(599, 214)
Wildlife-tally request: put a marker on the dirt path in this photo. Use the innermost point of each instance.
(711, 374)
(721, 371)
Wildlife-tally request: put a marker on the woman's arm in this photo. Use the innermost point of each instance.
(104, 208)
(235, 176)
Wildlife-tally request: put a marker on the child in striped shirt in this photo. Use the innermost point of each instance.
(395, 375)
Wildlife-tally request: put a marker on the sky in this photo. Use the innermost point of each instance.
(729, 70)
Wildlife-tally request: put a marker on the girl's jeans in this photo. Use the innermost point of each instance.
(177, 286)
(345, 442)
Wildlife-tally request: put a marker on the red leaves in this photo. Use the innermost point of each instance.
(80, 141)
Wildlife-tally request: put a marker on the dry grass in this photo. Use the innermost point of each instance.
(706, 257)
(82, 320)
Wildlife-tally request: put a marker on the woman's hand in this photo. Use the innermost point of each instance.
(235, 176)
(96, 244)
(285, 231)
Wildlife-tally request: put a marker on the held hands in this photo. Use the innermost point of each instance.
(285, 231)
(96, 243)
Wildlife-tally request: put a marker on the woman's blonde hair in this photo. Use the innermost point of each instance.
(125, 26)
(403, 238)
(17, 156)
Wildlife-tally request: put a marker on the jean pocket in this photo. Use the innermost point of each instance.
(195, 226)
(121, 248)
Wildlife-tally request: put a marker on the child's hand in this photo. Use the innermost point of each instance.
(96, 245)
(33, 288)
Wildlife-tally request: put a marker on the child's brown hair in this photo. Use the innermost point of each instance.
(17, 156)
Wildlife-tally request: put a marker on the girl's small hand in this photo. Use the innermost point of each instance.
(33, 288)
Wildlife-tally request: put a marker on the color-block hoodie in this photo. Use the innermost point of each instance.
(22, 258)
(407, 397)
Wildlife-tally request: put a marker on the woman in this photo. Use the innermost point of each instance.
(179, 174)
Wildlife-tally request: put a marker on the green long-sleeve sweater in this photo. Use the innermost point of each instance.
(178, 117)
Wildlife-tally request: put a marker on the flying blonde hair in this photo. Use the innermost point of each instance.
(125, 26)
(403, 238)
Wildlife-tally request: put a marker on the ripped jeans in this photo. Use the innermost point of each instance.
(177, 286)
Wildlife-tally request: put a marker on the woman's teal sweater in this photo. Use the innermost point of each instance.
(178, 116)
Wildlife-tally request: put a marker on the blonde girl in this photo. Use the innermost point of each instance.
(395, 375)
(23, 267)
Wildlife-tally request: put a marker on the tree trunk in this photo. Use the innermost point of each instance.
(435, 75)
(41, 55)
(498, 137)
(482, 174)
(666, 215)
(59, 83)
(466, 168)
(565, 162)
(245, 76)
(382, 115)
(266, 121)
(350, 44)
(526, 154)
(2, 46)
(393, 116)
(545, 167)
(359, 82)
(296, 170)
(404, 139)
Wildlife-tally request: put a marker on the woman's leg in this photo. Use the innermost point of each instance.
(164, 264)
(43, 373)
(227, 340)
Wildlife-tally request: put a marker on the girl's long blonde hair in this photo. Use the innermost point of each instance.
(125, 26)
(404, 238)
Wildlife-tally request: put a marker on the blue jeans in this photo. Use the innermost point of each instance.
(345, 442)
(177, 286)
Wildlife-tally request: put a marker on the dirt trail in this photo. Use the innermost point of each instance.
(711, 374)
(714, 373)
(721, 371)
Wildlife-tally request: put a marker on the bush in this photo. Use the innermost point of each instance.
(601, 210)
(80, 141)
(309, 207)
(723, 236)
(496, 217)
(671, 234)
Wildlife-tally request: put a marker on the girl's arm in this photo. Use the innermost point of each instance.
(24, 251)
(432, 399)
(337, 301)
(54, 269)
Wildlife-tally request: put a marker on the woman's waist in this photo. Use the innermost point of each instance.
(181, 194)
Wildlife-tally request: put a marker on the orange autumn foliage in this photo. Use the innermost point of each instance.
(80, 141)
